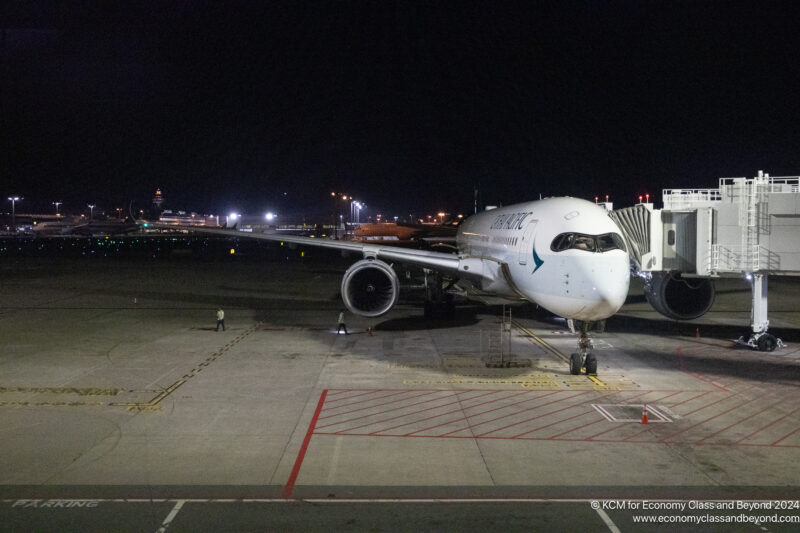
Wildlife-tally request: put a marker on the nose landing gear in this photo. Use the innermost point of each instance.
(583, 358)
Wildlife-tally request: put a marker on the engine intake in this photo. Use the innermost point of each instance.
(677, 297)
(370, 288)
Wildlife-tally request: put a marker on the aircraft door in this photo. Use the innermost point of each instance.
(526, 243)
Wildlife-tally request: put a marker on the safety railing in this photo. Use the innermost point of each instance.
(681, 198)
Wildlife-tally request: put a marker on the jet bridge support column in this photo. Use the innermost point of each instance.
(759, 322)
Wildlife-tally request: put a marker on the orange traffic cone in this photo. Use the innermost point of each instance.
(644, 414)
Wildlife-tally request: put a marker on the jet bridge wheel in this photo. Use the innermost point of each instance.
(575, 363)
(767, 343)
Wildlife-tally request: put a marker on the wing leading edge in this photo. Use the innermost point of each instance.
(443, 262)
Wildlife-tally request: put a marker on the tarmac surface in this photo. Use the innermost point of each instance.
(121, 408)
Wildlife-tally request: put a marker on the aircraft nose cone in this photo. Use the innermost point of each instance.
(610, 281)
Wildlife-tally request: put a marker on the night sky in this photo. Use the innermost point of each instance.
(406, 105)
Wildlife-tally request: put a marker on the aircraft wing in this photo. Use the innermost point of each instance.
(441, 261)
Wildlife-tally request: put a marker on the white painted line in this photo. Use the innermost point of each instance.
(603, 412)
(445, 500)
(171, 516)
(611, 525)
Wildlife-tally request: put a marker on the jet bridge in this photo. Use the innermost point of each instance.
(746, 227)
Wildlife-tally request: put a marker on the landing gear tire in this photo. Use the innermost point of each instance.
(767, 343)
(591, 364)
(575, 363)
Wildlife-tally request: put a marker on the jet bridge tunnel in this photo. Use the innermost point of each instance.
(746, 227)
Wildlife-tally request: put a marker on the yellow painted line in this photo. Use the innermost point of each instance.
(51, 404)
(64, 390)
(596, 380)
(545, 344)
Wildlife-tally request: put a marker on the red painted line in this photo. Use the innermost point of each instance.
(289, 488)
(534, 430)
(785, 437)
(706, 406)
(371, 406)
(768, 425)
(748, 417)
(767, 445)
(667, 396)
(497, 409)
(337, 392)
(393, 409)
(692, 398)
(434, 416)
(708, 419)
(466, 417)
(637, 443)
(606, 420)
(565, 419)
(624, 425)
(412, 413)
(545, 414)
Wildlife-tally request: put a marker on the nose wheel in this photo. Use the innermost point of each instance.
(583, 358)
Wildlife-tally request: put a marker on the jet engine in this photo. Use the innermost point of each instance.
(370, 288)
(677, 297)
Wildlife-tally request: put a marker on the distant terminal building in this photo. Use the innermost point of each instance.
(183, 218)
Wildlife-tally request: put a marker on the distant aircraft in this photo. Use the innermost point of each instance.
(564, 254)
(420, 235)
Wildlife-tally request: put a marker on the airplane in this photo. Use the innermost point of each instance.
(402, 234)
(564, 254)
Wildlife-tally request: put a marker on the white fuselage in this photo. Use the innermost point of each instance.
(560, 253)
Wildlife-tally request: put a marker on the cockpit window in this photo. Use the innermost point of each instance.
(584, 242)
(610, 241)
(589, 243)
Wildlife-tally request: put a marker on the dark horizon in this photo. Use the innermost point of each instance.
(405, 105)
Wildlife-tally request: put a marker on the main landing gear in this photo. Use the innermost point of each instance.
(438, 302)
(583, 358)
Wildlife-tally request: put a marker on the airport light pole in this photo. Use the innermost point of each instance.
(91, 211)
(14, 200)
(57, 204)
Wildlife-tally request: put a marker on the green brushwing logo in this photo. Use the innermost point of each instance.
(536, 259)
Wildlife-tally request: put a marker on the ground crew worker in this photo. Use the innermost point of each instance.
(220, 318)
(341, 324)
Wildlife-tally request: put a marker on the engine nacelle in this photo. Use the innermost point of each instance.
(370, 288)
(677, 297)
